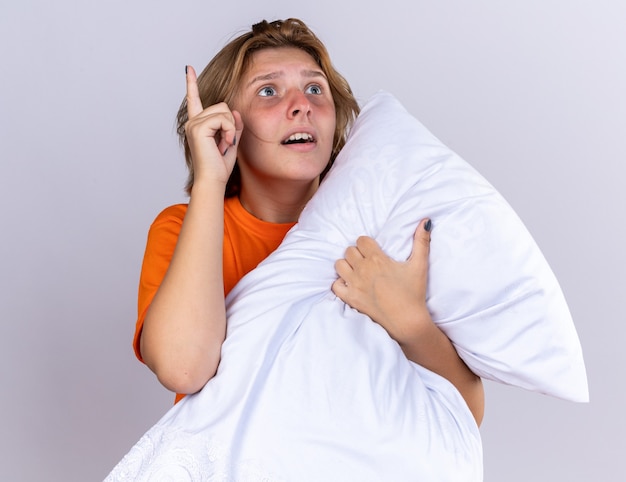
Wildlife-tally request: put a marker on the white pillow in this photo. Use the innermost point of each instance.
(490, 288)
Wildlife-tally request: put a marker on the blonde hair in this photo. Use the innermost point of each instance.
(219, 82)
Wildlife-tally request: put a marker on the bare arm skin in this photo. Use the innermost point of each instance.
(393, 294)
(185, 325)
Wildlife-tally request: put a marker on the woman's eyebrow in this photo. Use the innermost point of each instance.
(266, 77)
(312, 73)
(275, 75)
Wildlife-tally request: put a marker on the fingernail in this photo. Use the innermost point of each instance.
(428, 226)
(186, 67)
(225, 151)
(235, 140)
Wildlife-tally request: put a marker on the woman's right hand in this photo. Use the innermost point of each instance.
(212, 135)
(185, 325)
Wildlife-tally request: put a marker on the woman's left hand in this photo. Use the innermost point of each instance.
(391, 293)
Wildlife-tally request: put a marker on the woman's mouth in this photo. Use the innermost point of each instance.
(299, 138)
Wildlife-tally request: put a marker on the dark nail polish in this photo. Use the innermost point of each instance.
(428, 226)
(225, 152)
(235, 140)
(186, 67)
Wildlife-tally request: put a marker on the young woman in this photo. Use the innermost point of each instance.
(260, 126)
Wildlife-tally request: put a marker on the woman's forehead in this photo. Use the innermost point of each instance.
(276, 61)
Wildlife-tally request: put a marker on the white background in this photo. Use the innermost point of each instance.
(531, 93)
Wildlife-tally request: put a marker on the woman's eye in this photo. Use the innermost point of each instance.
(267, 92)
(314, 89)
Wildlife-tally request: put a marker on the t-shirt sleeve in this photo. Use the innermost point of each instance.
(162, 238)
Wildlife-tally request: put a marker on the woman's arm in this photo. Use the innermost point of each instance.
(393, 294)
(186, 323)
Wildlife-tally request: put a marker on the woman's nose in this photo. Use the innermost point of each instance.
(298, 104)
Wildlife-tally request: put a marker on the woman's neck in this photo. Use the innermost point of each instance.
(282, 205)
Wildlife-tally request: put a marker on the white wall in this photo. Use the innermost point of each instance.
(531, 93)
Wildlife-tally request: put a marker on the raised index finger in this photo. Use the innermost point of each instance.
(194, 104)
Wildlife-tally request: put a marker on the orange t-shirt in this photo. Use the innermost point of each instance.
(247, 242)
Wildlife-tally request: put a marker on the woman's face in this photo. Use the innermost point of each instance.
(288, 115)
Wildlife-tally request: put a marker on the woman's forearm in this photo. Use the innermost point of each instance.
(432, 349)
(185, 325)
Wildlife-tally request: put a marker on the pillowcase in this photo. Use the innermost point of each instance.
(490, 288)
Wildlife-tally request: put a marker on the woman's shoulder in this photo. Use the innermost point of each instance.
(175, 212)
(166, 227)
